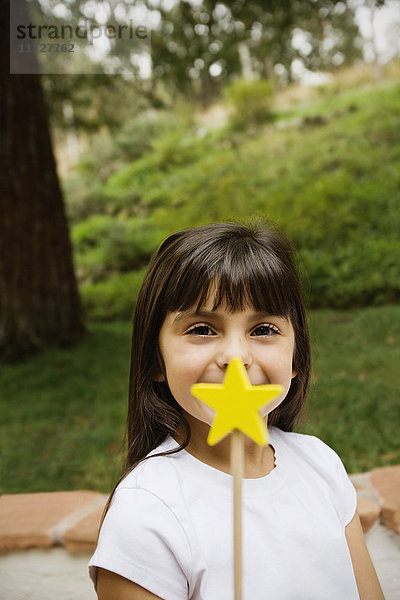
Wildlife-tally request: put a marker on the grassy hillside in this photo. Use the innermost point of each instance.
(328, 172)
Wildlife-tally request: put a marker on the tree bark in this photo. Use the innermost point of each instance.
(39, 300)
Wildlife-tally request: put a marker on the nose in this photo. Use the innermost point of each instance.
(231, 348)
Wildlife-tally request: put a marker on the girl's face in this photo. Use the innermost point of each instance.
(197, 346)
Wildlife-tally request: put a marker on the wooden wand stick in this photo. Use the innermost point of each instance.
(237, 464)
(236, 404)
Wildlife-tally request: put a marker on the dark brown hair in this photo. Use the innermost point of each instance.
(247, 265)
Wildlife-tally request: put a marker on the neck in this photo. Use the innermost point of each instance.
(258, 460)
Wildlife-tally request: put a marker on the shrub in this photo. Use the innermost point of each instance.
(84, 197)
(114, 298)
(363, 273)
(105, 244)
(251, 101)
(131, 187)
(136, 136)
(107, 154)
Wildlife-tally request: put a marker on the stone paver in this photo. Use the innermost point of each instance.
(382, 488)
(368, 511)
(386, 481)
(83, 536)
(391, 517)
(40, 520)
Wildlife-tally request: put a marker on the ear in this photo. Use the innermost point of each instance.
(159, 378)
(294, 373)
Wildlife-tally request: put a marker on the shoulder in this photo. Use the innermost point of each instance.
(139, 513)
(157, 474)
(147, 525)
(316, 465)
(154, 492)
(305, 447)
(149, 497)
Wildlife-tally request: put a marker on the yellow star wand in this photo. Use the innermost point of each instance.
(237, 404)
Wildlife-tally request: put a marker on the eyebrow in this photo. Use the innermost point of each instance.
(207, 314)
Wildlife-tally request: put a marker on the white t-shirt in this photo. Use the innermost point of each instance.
(169, 528)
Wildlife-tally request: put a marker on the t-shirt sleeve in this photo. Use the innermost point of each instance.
(142, 540)
(348, 504)
(343, 492)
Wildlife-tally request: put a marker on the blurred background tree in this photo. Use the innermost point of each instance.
(39, 301)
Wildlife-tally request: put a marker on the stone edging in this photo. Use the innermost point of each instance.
(43, 520)
(71, 519)
(378, 494)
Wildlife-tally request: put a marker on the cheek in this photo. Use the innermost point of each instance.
(182, 373)
(275, 403)
(282, 374)
(185, 366)
(193, 406)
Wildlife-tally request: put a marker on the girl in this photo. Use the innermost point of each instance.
(212, 293)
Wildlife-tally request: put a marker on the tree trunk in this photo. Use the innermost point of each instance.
(245, 61)
(39, 301)
(377, 63)
(206, 87)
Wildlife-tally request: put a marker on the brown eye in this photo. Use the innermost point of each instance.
(265, 330)
(201, 330)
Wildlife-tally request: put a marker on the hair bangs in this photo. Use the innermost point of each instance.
(230, 275)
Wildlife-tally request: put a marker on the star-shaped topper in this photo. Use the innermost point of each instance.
(237, 404)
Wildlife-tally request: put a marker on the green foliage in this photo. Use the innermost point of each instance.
(84, 193)
(364, 273)
(63, 429)
(329, 175)
(251, 102)
(144, 184)
(151, 141)
(91, 103)
(114, 298)
(176, 148)
(105, 244)
(188, 42)
(134, 137)
(265, 31)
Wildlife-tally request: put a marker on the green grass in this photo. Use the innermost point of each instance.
(63, 411)
(63, 414)
(354, 401)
